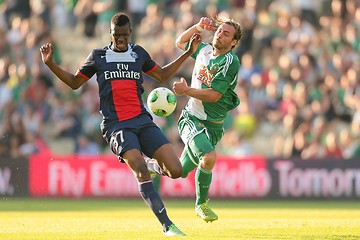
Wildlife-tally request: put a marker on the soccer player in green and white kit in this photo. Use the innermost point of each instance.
(212, 95)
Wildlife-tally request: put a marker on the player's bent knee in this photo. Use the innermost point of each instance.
(176, 172)
(208, 160)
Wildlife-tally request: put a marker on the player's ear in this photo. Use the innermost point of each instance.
(233, 43)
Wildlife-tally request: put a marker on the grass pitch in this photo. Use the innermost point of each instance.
(132, 219)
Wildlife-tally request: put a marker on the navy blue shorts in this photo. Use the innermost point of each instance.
(137, 133)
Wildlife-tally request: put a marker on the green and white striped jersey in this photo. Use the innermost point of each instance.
(219, 73)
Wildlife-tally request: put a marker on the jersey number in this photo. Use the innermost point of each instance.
(114, 141)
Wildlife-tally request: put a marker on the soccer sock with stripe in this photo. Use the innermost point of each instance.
(153, 200)
(186, 163)
(203, 179)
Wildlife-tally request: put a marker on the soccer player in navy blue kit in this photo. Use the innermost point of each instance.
(127, 126)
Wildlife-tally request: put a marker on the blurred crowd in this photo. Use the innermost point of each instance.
(298, 81)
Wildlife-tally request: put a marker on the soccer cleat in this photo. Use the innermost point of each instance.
(173, 231)
(204, 212)
(148, 160)
(152, 173)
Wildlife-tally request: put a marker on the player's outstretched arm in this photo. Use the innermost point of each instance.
(73, 81)
(204, 24)
(164, 73)
(205, 95)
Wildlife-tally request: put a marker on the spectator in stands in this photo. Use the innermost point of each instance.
(331, 145)
(84, 11)
(4, 148)
(19, 8)
(86, 147)
(315, 150)
(32, 120)
(349, 144)
(70, 124)
(319, 52)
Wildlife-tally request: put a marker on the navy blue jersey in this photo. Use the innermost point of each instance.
(120, 78)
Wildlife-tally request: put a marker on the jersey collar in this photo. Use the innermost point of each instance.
(111, 47)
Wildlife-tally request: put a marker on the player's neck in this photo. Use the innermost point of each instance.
(112, 47)
(218, 52)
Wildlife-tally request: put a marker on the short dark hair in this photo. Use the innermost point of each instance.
(120, 19)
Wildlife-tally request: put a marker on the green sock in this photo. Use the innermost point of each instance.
(203, 179)
(186, 163)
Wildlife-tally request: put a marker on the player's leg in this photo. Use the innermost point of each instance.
(188, 128)
(163, 157)
(203, 145)
(168, 161)
(197, 146)
(188, 162)
(203, 176)
(125, 144)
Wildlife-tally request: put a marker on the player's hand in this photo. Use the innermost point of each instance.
(194, 42)
(47, 52)
(207, 24)
(180, 87)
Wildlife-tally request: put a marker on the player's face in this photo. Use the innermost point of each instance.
(120, 36)
(224, 37)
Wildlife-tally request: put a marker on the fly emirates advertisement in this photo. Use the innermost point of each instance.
(245, 177)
